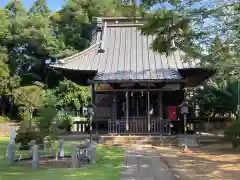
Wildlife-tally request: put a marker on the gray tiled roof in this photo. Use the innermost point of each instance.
(127, 56)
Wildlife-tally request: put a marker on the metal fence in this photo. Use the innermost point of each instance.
(139, 125)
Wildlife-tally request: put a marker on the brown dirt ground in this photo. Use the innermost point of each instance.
(48, 163)
(209, 162)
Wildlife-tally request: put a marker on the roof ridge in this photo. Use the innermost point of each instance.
(126, 25)
(117, 17)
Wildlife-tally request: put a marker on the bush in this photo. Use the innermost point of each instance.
(65, 122)
(4, 119)
(232, 133)
(25, 135)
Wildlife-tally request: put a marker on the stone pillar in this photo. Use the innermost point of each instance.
(74, 156)
(61, 148)
(11, 152)
(91, 152)
(31, 144)
(35, 157)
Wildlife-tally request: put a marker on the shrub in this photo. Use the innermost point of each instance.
(65, 122)
(47, 115)
(232, 133)
(4, 119)
(25, 135)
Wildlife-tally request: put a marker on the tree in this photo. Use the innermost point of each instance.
(186, 23)
(29, 37)
(47, 114)
(28, 99)
(72, 95)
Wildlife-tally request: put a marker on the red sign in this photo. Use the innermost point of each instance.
(172, 113)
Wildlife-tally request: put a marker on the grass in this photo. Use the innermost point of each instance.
(108, 166)
(4, 119)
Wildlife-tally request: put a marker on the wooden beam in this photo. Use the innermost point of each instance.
(148, 111)
(127, 111)
(93, 101)
(160, 104)
(93, 91)
(137, 103)
(135, 90)
(130, 81)
(114, 109)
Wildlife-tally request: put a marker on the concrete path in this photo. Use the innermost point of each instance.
(144, 164)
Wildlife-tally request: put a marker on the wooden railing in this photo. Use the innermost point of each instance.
(139, 125)
(117, 126)
(160, 126)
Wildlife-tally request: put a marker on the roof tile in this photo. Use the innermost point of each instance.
(127, 56)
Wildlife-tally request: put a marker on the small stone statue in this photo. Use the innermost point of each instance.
(35, 157)
(11, 152)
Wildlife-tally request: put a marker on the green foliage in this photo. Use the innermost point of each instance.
(216, 99)
(4, 119)
(47, 115)
(28, 99)
(8, 84)
(215, 44)
(72, 95)
(43, 124)
(25, 134)
(65, 123)
(4, 69)
(186, 23)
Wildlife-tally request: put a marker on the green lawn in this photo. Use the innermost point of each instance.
(108, 166)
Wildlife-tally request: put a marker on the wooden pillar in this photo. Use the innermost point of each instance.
(93, 89)
(93, 101)
(114, 106)
(137, 103)
(148, 111)
(127, 111)
(160, 104)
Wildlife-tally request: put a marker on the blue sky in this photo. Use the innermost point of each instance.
(55, 5)
(52, 4)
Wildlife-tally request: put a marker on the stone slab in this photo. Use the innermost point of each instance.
(144, 165)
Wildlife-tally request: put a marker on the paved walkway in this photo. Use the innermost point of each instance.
(144, 164)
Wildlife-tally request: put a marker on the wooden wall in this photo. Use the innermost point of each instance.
(104, 102)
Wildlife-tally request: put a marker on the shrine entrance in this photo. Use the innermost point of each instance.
(138, 112)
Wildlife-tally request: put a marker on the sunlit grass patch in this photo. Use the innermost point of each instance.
(108, 166)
